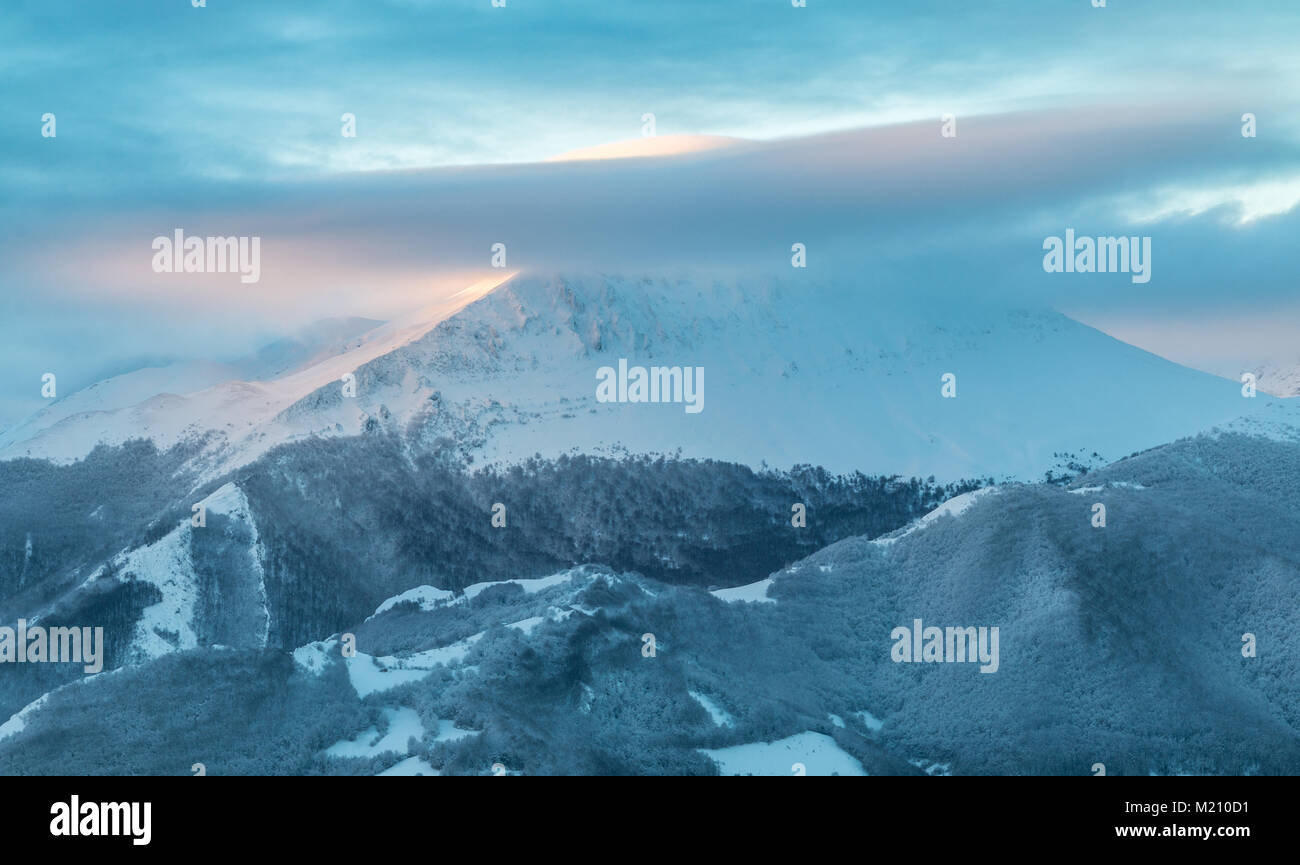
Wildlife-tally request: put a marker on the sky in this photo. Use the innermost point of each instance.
(226, 119)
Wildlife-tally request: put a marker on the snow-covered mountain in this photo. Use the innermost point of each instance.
(225, 403)
(827, 374)
(93, 411)
(1279, 378)
(467, 633)
(1131, 644)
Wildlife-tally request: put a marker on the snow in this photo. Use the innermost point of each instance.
(932, 768)
(751, 593)
(818, 752)
(1123, 485)
(873, 723)
(719, 715)
(588, 697)
(954, 507)
(165, 564)
(800, 352)
(1280, 424)
(449, 732)
(367, 678)
(121, 392)
(531, 586)
(428, 598)
(865, 366)
(1279, 377)
(229, 500)
(170, 405)
(957, 505)
(431, 658)
(168, 565)
(18, 722)
(27, 557)
(403, 723)
(411, 766)
(527, 625)
(314, 657)
(371, 675)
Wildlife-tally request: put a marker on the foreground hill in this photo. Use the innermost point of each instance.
(1120, 645)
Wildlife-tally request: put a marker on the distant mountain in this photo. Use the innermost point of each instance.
(793, 373)
(311, 345)
(157, 397)
(1279, 378)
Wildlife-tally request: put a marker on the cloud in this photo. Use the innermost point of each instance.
(225, 120)
(880, 198)
(246, 89)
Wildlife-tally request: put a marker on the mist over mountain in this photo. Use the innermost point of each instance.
(514, 373)
(158, 384)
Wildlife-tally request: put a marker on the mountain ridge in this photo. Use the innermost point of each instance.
(511, 372)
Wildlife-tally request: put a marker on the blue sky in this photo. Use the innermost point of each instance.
(225, 119)
(147, 92)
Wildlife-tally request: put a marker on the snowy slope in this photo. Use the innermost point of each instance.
(802, 754)
(193, 402)
(122, 391)
(793, 373)
(140, 387)
(825, 375)
(1279, 378)
(173, 623)
(954, 507)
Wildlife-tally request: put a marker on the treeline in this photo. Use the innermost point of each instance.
(346, 523)
(58, 519)
(237, 712)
